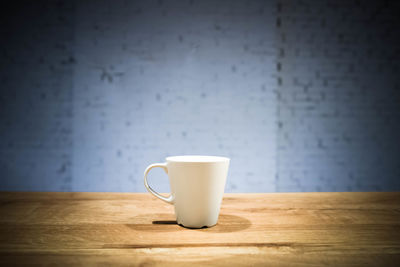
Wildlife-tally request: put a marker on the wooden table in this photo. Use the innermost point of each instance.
(292, 229)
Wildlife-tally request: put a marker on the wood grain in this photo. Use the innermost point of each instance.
(293, 229)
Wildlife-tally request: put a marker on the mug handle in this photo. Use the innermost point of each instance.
(170, 198)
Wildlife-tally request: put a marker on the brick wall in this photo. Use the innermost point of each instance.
(36, 73)
(338, 111)
(167, 78)
(302, 95)
(146, 79)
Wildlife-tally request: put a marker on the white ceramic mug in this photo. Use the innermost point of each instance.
(197, 187)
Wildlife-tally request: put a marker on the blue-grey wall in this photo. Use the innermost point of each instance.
(301, 95)
(339, 95)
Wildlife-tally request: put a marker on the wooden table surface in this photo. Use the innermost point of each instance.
(293, 229)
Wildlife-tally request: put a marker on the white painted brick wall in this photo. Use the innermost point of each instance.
(338, 108)
(302, 95)
(36, 69)
(168, 78)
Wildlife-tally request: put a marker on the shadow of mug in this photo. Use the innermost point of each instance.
(226, 223)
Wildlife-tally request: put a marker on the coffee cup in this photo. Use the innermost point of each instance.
(197, 187)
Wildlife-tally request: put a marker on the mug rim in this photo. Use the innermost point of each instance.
(197, 159)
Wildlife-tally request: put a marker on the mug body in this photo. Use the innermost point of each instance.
(197, 185)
